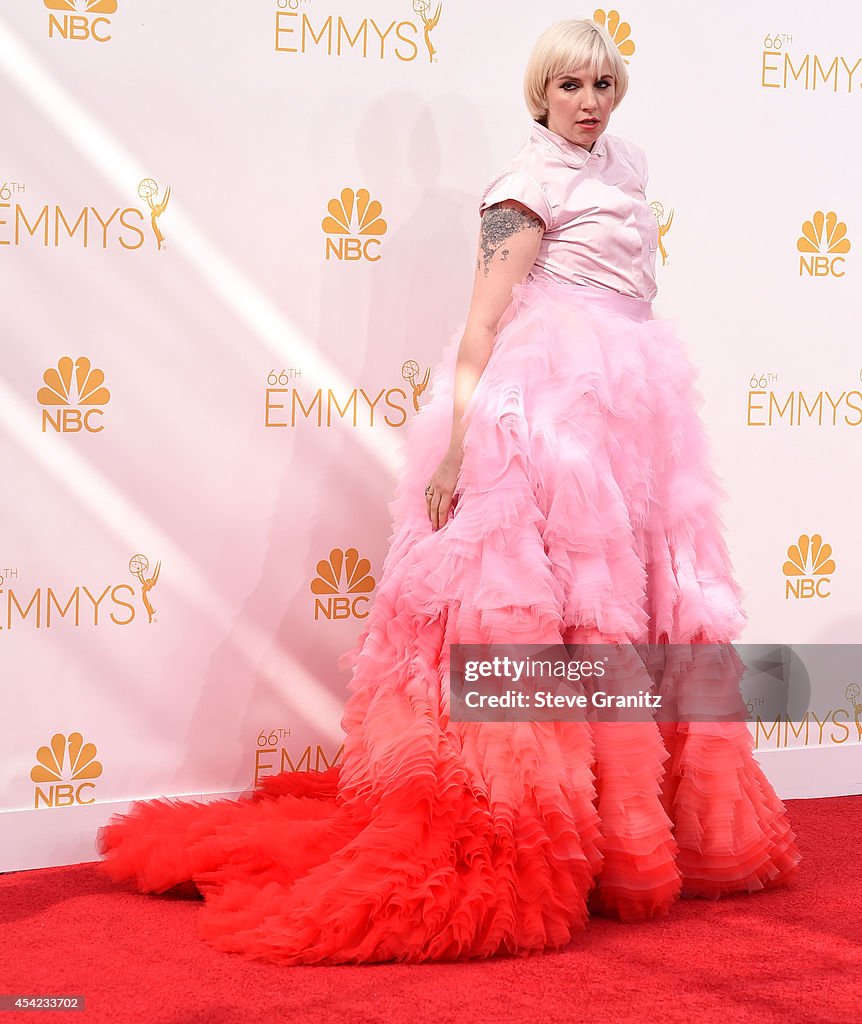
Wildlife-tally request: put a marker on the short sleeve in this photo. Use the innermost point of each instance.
(520, 186)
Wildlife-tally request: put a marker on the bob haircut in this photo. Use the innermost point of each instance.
(566, 46)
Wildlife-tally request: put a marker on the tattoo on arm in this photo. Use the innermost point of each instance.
(499, 223)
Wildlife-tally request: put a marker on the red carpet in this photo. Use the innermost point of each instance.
(786, 957)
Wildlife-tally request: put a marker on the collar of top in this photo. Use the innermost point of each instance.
(572, 155)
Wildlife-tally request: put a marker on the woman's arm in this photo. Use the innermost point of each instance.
(508, 245)
(509, 239)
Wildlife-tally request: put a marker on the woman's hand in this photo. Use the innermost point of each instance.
(440, 490)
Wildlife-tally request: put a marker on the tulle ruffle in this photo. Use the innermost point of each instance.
(588, 510)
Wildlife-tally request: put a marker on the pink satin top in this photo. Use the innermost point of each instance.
(599, 228)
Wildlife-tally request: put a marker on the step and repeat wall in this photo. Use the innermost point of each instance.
(234, 239)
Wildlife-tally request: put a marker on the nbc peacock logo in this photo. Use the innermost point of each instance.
(73, 397)
(64, 772)
(80, 20)
(354, 226)
(358, 35)
(823, 245)
(342, 585)
(620, 31)
(809, 568)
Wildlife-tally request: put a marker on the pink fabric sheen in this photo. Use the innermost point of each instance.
(599, 228)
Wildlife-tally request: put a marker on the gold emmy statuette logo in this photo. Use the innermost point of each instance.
(852, 694)
(349, 230)
(138, 565)
(619, 30)
(147, 189)
(65, 769)
(663, 227)
(429, 23)
(73, 407)
(341, 585)
(823, 244)
(808, 567)
(410, 372)
(81, 19)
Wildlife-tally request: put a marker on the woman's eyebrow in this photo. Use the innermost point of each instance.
(575, 78)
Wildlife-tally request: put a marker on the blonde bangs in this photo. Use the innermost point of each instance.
(566, 46)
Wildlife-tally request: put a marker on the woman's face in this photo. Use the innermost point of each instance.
(577, 96)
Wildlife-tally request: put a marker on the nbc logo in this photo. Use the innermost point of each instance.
(354, 226)
(341, 585)
(808, 568)
(65, 770)
(620, 31)
(81, 19)
(823, 244)
(68, 385)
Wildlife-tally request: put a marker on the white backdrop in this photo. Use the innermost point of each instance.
(205, 383)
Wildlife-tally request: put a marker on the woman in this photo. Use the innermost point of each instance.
(558, 489)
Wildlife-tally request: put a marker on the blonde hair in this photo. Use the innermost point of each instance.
(566, 46)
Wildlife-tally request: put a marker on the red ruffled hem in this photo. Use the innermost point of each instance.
(439, 869)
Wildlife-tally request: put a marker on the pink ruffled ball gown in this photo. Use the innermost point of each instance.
(587, 509)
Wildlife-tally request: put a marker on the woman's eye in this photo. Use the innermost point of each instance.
(605, 85)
